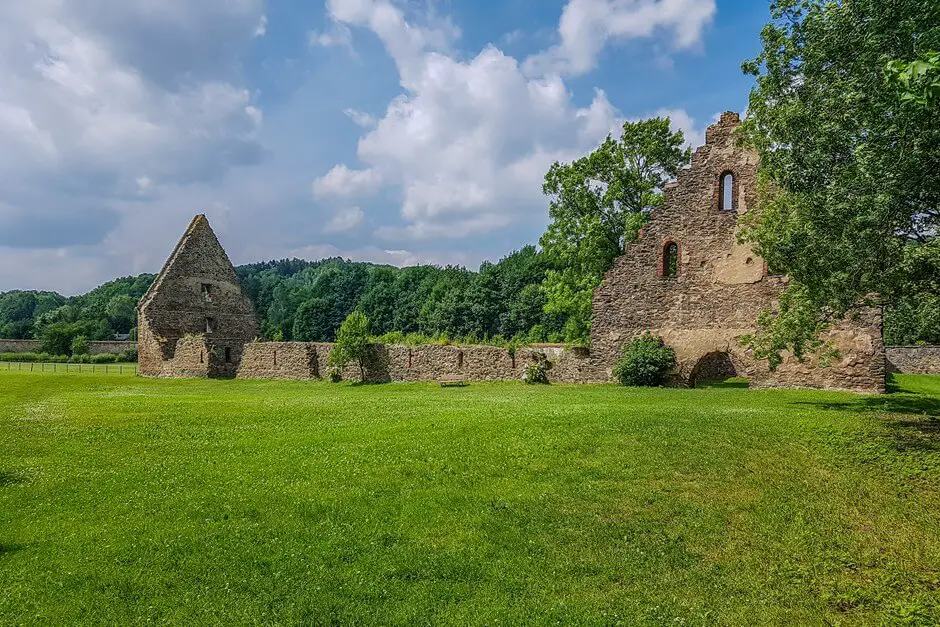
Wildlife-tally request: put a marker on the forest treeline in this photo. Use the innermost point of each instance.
(307, 301)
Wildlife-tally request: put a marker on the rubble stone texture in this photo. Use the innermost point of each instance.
(719, 286)
(914, 359)
(195, 319)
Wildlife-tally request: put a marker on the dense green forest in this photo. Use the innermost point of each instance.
(308, 300)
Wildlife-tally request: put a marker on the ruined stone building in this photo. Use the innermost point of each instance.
(688, 280)
(194, 321)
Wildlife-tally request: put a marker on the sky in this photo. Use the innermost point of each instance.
(391, 131)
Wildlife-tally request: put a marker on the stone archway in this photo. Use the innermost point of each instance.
(713, 367)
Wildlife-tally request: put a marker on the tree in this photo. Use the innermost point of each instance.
(122, 312)
(598, 204)
(850, 166)
(353, 343)
(918, 80)
(80, 345)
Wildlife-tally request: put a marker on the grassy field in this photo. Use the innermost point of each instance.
(126, 500)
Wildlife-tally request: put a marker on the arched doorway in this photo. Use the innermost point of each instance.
(714, 367)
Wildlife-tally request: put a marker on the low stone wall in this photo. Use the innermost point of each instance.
(20, 346)
(110, 346)
(394, 362)
(279, 360)
(94, 348)
(913, 359)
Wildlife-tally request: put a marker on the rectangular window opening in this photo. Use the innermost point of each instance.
(228, 355)
(210, 325)
(207, 292)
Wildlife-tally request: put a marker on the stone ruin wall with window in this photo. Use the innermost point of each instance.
(705, 299)
(194, 320)
(685, 279)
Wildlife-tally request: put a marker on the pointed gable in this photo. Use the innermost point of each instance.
(196, 293)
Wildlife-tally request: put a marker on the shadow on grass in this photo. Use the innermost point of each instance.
(905, 403)
(728, 384)
(8, 478)
(911, 419)
(10, 547)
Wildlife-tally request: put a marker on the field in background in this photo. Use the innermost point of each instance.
(125, 500)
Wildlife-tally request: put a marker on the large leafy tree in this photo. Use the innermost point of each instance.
(850, 162)
(598, 203)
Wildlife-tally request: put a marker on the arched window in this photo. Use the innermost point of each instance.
(670, 266)
(726, 192)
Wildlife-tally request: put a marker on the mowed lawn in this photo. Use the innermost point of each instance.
(126, 500)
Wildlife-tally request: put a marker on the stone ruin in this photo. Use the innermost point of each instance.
(195, 320)
(686, 279)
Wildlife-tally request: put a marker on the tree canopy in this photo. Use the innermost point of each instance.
(598, 204)
(850, 161)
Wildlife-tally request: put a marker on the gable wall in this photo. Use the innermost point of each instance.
(721, 285)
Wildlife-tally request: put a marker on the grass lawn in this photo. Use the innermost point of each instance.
(127, 500)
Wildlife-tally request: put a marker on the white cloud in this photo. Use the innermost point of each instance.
(679, 120)
(341, 181)
(262, 29)
(374, 254)
(339, 36)
(345, 220)
(468, 142)
(102, 104)
(586, 27)
(360, 118)
(95, 93)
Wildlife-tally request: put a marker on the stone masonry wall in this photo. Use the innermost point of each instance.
(196, 293)
(94, 348)
(720, 286)
(914, 359)
(392, 362)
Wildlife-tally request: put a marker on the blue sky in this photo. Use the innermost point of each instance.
(395, 131)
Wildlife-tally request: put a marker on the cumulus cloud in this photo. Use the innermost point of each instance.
(338, 35)
(341, 181)
(344, 220)
(360, 118)
(95, 93)
(586, 27)
(468, 142)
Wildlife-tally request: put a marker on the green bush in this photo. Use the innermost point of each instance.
(80, 345)
(645, 362)
(335, 375)
(535, 374)
(128, 356)
(106, 358)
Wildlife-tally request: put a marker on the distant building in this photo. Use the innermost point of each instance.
(194, 320)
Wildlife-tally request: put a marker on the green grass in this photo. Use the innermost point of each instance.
(127, 500)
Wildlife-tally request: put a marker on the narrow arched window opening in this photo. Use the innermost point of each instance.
(726, 192)
(670, 259)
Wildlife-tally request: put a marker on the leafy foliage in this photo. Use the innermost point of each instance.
(598, 204)
(918, 80)
(79, 345)
(850, 162)
(646, 361)
(535, 374)
(353, 343)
